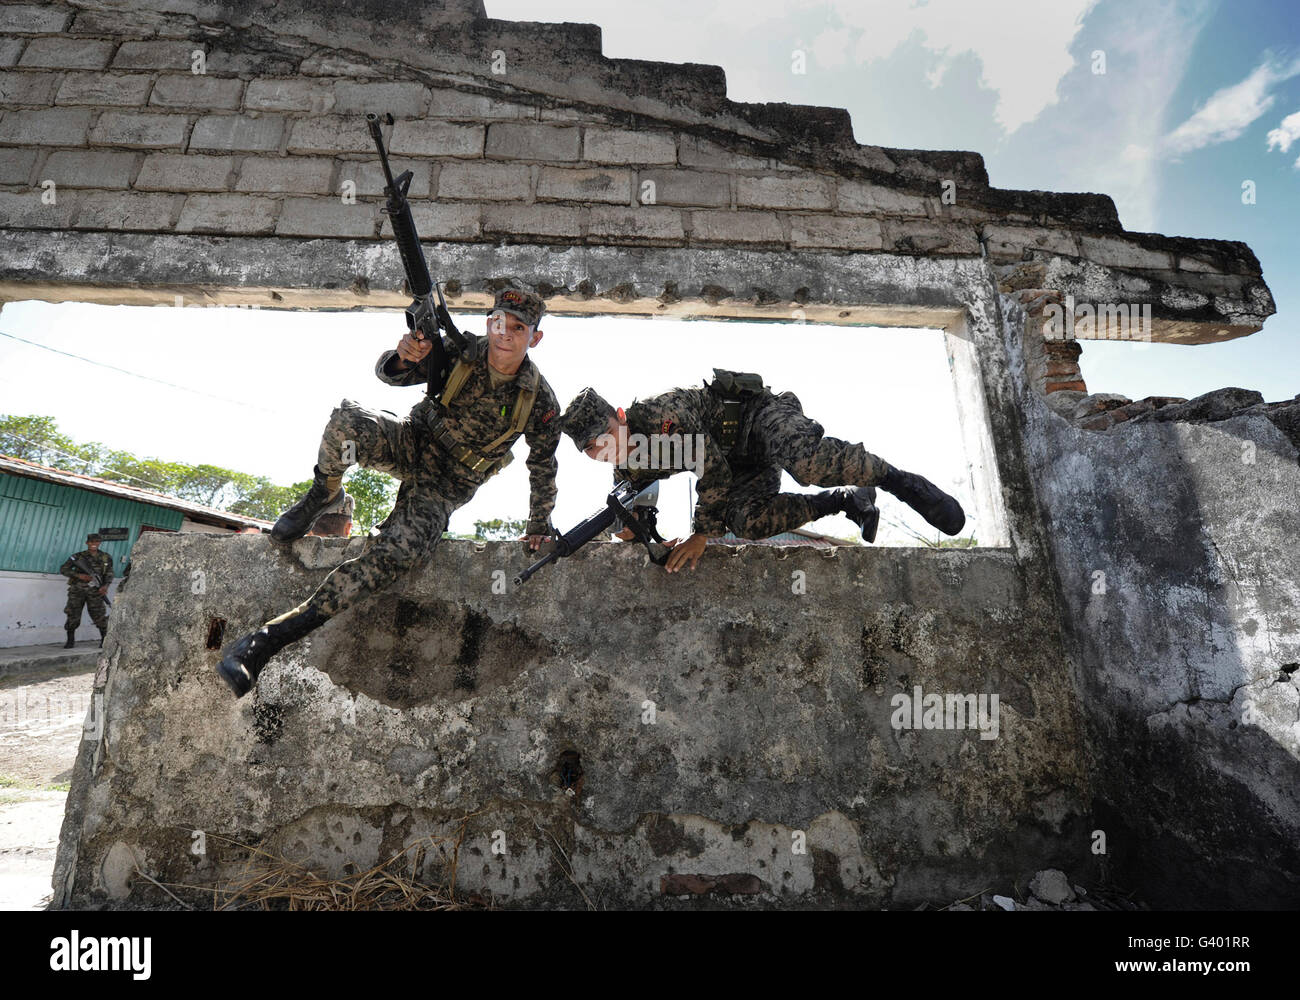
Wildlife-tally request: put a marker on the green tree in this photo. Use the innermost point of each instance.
(264, 499)
(38, 439)
(34, 439)
(375, 493)
(499, 529)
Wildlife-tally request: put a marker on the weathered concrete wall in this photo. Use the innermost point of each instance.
(1174, 537)
(443, 698)
(1147, 690)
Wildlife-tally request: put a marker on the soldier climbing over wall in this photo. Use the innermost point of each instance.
(89, 573)
(442, 452)
(746, 436)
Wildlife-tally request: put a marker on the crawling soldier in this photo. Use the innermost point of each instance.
(738, 436)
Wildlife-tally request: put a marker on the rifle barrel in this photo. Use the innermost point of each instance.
(372, 121)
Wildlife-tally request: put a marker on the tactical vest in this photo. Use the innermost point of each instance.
(734, 389)
(518, 421)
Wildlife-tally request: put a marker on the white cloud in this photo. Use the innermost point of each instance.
(1023, 47)
(830, 49)
(1231, 110)
(1285, 134)
(1110, 140)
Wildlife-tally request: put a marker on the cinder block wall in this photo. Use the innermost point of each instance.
(245, 120)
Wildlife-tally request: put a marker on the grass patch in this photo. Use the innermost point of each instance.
(18, 785)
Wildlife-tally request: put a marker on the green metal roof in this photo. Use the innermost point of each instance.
(42, 523)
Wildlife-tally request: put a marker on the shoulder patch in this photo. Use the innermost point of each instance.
(546, 417)
(667, 426)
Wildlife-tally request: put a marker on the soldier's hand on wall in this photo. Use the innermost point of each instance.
(411, 350)
(685, 552)
(534, 541)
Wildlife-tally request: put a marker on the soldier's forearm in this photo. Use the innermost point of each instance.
(710, 521)
(540, 509)
(389, 369)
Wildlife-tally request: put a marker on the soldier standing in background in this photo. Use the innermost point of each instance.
(443, 451)
(84, 590)
(335, 521)
(748, 435)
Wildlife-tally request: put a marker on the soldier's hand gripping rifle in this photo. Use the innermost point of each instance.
(621, 505)
(424, 317)
(96, 578)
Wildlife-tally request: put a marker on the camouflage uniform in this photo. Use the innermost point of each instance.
(434, 482)
(82, 594)
(741, 491)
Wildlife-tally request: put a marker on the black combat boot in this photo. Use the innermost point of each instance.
(102, 633)
(241, 665)
(71, 632)
(858, 502)
(297, 520)
(932, 503)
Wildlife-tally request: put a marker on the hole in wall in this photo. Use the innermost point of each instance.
(216, 631)
(892, 389)
(569, 771)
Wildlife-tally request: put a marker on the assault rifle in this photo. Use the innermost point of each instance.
(621, 505)
(96, 578)
(424, 317)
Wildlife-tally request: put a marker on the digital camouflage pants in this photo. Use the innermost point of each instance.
(780, 437)
(79, 597)
(430, 493)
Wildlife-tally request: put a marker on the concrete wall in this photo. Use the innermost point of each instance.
(31, 604)
(438, 699)
(1174, 538)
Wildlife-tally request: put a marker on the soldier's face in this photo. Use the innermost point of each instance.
(611, 446)
(92, 546)
(509, 338)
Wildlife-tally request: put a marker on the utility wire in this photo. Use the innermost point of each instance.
(148, 378)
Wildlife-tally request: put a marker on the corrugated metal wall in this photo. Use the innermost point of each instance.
(41, 524)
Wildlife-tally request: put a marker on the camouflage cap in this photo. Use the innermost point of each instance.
(345, 503)
(94, 537)
(586, 418)
(514, 298)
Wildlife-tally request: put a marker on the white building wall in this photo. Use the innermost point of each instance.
(31, 609)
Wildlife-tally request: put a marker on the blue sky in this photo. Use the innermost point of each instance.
(1196, 98)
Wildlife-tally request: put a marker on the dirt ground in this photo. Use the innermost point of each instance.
(41, 719)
